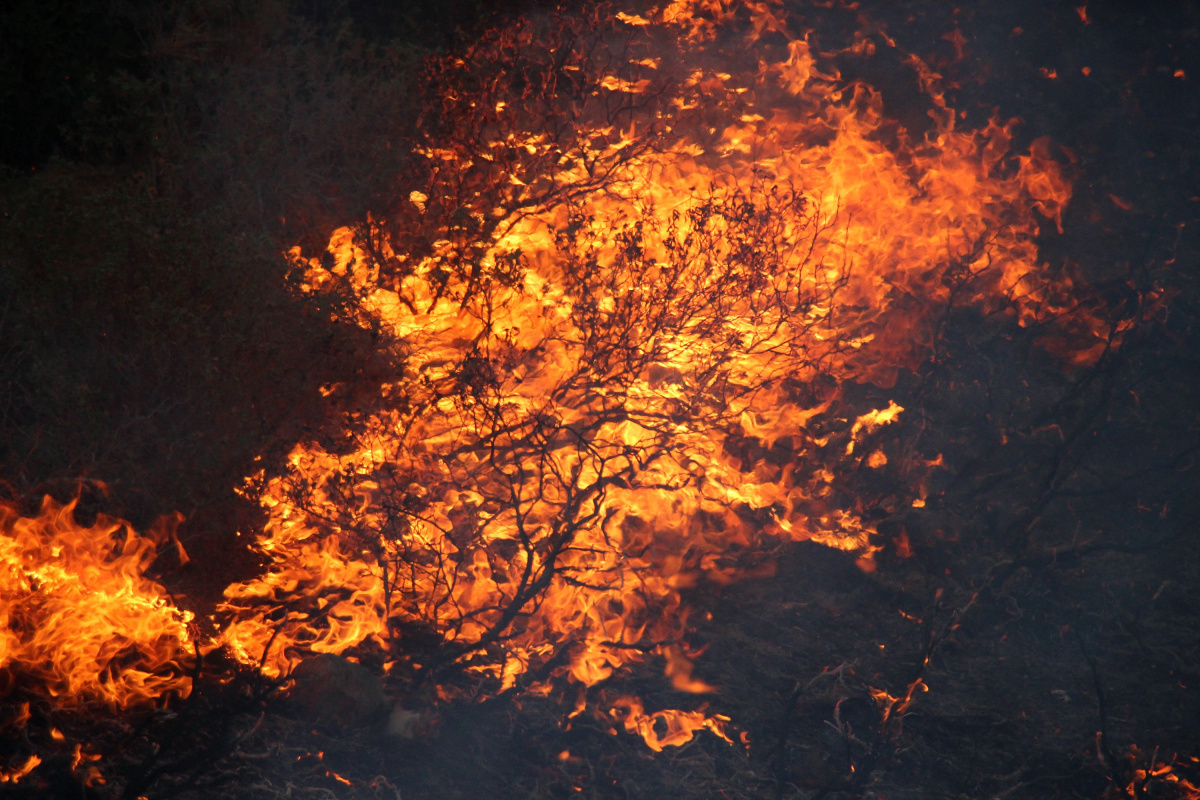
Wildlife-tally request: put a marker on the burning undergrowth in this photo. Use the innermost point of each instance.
(652, 280)
(79, 619)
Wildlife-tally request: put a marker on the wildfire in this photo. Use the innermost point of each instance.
(627, 295)
(628, 292)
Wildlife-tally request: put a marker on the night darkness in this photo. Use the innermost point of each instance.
(1029, 626)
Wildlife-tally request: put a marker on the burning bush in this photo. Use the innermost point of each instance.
(646, 257)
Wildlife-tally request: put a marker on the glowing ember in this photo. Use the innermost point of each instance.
(1144, 775)
(79, 621)
(627, 296)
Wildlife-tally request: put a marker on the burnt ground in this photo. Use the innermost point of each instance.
(1045, 596)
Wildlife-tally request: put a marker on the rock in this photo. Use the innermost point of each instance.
(330, 690)
(404, 723)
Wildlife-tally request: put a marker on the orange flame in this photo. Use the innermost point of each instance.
(668, 728)
(79, 621)
(15, 774)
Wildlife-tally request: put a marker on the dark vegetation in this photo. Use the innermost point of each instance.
(149, 340)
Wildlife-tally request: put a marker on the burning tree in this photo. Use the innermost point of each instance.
(640, 267)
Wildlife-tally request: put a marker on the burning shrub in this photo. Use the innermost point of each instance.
(641, 265)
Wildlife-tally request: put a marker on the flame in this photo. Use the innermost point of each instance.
(18, 772)
(607, 348)
(667, 728)
(79, 620)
